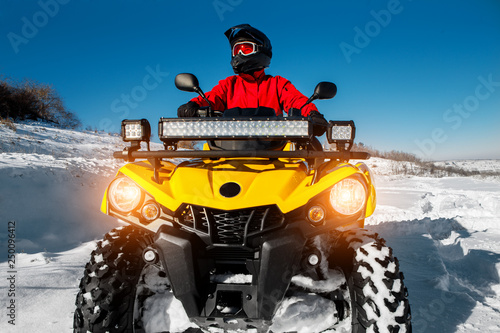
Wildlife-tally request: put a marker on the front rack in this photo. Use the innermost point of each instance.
(296, 130)
(131, 155)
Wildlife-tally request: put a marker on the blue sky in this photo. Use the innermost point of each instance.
(417, 76)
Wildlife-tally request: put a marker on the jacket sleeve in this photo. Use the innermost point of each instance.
(217, 96)
(290, 97)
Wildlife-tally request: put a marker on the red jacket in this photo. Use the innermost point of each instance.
(253, 90)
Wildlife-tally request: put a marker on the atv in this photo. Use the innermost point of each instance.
(261, 231)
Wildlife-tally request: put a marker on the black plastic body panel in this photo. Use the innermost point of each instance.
(180, 253)
(189, 265)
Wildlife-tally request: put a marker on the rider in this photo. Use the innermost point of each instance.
(251, 53)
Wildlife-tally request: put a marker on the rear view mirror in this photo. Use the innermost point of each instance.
(325, 90)
(187, 82)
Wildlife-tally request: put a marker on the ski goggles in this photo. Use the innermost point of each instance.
(244, 48)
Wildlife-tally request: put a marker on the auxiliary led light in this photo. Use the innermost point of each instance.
(348, 196)
(316, 215)
(220, 129)
(150, 211)
(136, 130)
(313, 259)
(341, 132)
(150, 256)
(124, 194)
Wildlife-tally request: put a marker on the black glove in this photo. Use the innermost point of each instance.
(188, 110)
(319, 123)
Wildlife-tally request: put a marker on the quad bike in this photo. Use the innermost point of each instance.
(261, 231)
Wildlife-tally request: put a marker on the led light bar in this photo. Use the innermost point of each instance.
(231, 128)
(341, 132)
(136, 130)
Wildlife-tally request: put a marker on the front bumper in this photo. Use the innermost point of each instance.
(230, 305)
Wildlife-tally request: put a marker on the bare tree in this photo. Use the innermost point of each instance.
(33, 100)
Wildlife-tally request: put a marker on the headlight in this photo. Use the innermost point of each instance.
(348, 196)
(124, 194)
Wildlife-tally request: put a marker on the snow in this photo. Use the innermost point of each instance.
(444, 231)
(305, 310)
(334, 280)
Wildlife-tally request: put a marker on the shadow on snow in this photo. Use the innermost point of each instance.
(444, 279)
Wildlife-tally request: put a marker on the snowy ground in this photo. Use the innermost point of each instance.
(445, 231)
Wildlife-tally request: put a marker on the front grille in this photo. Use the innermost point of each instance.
(231, 227)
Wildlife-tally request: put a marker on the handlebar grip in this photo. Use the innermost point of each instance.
(204, 113)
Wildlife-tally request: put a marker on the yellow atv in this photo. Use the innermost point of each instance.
(261, 231)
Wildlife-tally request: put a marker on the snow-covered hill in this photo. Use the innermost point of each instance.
(51, 184)
(445, 231)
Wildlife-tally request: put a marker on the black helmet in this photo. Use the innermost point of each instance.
(259, 60)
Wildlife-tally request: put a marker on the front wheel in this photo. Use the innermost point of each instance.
(105, 301)
(378, 296)
(120, 293)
